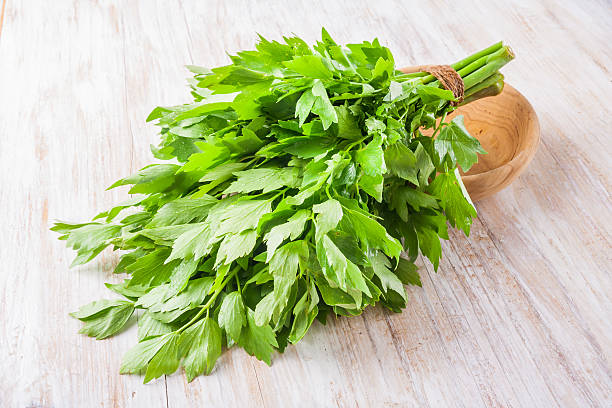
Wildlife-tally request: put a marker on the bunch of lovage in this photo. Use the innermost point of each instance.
(291, 186)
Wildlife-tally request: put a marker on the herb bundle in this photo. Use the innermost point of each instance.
(296, 179)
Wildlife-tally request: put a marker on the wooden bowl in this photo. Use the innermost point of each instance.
(507, 127)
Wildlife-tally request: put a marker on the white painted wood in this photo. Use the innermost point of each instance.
(518, 314)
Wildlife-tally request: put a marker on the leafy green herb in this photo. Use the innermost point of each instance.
(303, 175)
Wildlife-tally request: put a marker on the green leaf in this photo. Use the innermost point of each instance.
(151, 179)
(163, 235)
(424, 165)
(348, 128)
(283, 267)
(202, 342)
(373, 185)
(370, 232)
(149, 327)
(246, 143)
(423, 118)
(231, 315)
(311, 66)
(389, 281)
(258, 341)
(408, 273)
(181, 275)
(97, 308)
(329, 214)
(340, 271)
(333, 296)
(152, 269)
(306, 147)
(220, 275)
(157, 113)
(292, 229)
(402, 162)
(222, 172)
(431, 93)
(193, 295)
(455, 143)
(374, 126)
(88, 239)
(243, 215)
(113, 212)
(265, 309)
(304, 106)
(161, 299)
(429, 240)
(193, 243)
(201, 109)
(403, 197)
(322, 105)
(107, 320)
(246, 106)
(137, 358)
(183, 211)
(304, 316)
(212, 154)
(371, 158)
(123, 289)
(235, 246)
(454, 200)
(166, 360)
(395, 92)
(264, 179)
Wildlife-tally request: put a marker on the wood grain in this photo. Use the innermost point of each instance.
(518, 314)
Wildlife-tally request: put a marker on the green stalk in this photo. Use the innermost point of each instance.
(485, 66)
(487, 51)
(210, 302)
(492, 64)
(460, 64)
(496, 77)
(471, 63)
(478, 68)
(492, 90)
(491, 86)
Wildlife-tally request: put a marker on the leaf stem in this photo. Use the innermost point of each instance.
(491, 86)
(349, 147)
(440, 124)
(493, 63)
(238, 283)
(327, 191)
(210, 302)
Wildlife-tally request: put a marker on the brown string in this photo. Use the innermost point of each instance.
(448, 77)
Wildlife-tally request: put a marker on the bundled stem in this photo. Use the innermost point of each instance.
(477, 69)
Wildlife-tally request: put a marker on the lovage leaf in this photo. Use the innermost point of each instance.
(455, 143)
(231, 315)
(203, 344)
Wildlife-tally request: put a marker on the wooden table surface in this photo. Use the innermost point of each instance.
(518, 315)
